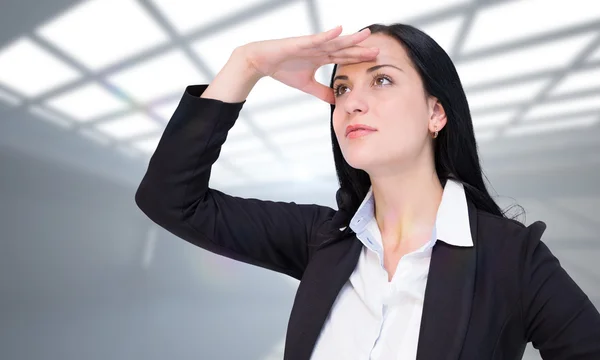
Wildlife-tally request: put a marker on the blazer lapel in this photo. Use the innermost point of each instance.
(328, 271)
(448, 297)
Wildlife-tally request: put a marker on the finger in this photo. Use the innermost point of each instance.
(321, 91)
(358, 52)
(345, 41)
(346, 60)
(311, 41)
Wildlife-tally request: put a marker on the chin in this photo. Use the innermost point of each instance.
(373, 160)
(360, 160)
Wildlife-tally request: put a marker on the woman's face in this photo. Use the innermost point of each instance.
(384, 100)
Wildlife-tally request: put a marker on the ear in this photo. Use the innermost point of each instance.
(437, 115)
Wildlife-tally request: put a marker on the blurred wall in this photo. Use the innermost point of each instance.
(84, 275)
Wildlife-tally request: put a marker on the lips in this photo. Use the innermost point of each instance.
(359, 129)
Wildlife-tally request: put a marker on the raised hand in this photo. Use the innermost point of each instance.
(295, 60)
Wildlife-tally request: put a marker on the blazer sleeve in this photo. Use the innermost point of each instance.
(560, 320)
(175, 194)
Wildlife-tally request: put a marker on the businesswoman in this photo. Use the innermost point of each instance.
(418, 262)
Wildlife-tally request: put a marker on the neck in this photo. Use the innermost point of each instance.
(406, 205)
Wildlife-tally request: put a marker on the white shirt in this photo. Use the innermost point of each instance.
(373, 319)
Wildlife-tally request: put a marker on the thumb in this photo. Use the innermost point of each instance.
(321, 91)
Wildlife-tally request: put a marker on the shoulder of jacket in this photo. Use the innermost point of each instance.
(499, 227)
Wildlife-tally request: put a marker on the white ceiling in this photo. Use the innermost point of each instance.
(113, 72)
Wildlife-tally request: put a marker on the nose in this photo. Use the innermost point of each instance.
(355, 102)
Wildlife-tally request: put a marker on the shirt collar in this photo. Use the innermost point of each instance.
(452, 222)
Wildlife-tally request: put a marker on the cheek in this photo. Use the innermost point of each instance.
(404, 129)
(402, 136)
(409, 116)
(337, 126)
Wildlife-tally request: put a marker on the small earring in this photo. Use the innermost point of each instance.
(435, 134)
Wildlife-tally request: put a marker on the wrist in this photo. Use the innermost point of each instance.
(235, 80)
(242, 65)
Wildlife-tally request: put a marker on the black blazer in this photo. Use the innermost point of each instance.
(484, 302)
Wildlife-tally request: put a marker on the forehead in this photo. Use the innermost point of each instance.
(390, 51)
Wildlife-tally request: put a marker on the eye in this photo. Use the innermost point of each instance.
(380, 79)
(337, 88)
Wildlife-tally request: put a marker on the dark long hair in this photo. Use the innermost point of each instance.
(455, 149)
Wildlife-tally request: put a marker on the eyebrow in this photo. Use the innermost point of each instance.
(369, 70)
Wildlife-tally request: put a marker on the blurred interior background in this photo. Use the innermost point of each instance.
(86, 88)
